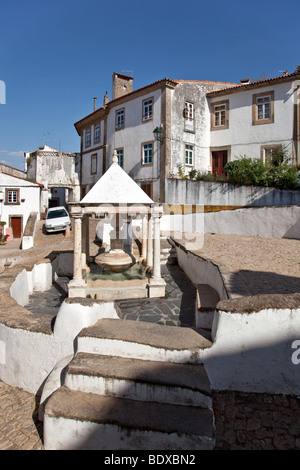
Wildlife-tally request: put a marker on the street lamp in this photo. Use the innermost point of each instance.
(158, 131)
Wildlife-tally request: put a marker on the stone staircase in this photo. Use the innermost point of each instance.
(133, 386)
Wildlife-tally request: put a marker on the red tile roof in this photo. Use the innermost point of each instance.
(258, 83)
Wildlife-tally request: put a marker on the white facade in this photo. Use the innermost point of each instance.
(247, 137)
(18, 198)
(127, 123)
(201, 122)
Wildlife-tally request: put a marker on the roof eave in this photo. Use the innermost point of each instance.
(258, 84)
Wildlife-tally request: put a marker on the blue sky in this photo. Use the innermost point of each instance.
(56, 55)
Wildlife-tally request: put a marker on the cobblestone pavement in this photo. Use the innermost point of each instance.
(19, 426)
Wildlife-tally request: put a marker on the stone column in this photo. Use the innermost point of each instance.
(85, 243)
(156, 247)
(76, 286)
(144, 236)
(77, 262)
(157, 285)
(149, 260)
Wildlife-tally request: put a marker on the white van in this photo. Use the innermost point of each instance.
(57, 219)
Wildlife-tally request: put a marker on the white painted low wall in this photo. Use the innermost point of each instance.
(281, 222)
(180, 191)
(200, 271)
(252, 352)
(28, 354)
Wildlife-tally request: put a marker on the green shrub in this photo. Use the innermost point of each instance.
(192, 174)
(283, 176)
(278, 173)
(246, 171)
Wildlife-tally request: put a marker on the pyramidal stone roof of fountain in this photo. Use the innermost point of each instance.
(116, 187)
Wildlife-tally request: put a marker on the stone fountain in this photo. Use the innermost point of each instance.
(117, 197)
(116, 260)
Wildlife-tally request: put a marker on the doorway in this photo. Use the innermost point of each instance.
(16, 226)
(148, 189)
(219, 160)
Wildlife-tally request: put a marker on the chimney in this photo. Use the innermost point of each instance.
(245, 81)
(122, 85)
(95, 104)
(105, 99)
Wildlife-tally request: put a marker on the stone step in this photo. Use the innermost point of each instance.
(206, 301)
(136, 379)
(142, 340)
(93, 422)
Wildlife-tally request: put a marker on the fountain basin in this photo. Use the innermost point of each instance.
(115, 261)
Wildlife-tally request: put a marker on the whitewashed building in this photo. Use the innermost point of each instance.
(57, 172)
(18, 199)
(254, 119)
(173, 126)
(126, 124)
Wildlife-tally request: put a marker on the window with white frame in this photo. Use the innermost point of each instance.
(147, 154)
(96, 134)
(120, 118)
(147, 109)
(220, 115)
(88, 137)
(189, 155)
(271, 152)
(120, 155)
(263, 108)
(189, 116)
(12, 196)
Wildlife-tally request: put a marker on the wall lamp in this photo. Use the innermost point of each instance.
(158, 132)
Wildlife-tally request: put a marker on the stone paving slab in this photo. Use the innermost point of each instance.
(177, 308)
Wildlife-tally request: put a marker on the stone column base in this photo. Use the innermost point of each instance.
(157, 287)
(77, 288)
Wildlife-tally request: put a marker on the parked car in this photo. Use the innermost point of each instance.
(57, 219)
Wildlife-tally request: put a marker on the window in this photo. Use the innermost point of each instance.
(147, 153)
(189, 155)
(263, 108)
(97, 134)
(120, 155)
(12, 196)
(147, 109)
(88, 137)
(94, 164)
(120, 119)
(189, 116)
(271, 154)
(220, 115)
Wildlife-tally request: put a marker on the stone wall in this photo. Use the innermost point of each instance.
(256, 421)
(184, 191)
